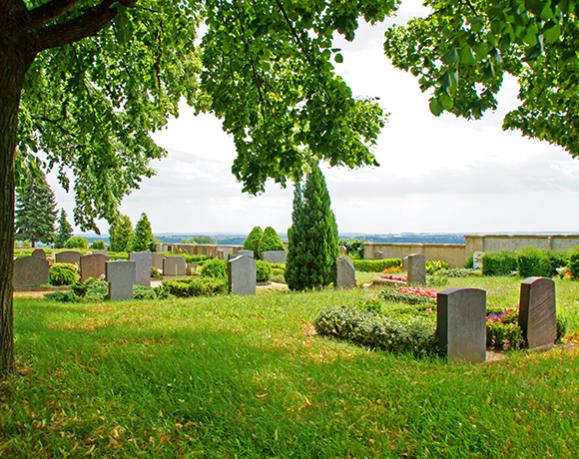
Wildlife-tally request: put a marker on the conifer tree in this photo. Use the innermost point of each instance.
(143, 238)
(64, 232)
(252, 240)
(313, 237)
(36, 212)
(270, 240)
(120, 233)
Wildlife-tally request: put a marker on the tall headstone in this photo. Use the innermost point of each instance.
(274, 256)
(416, 269)
(144, 261)
(537, 312)
(346, 273)
(121, 276)
(158, 261)
(39, 253)
(68, 256)
(174, 266)
(405, 264)
(461, 324)
(29, 272)
(93, 266)
(242, 275)
(477, 260)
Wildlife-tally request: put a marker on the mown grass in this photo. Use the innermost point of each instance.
(245, 377)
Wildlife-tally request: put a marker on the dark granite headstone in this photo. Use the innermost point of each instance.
(461, 324)
(68, 256)
(29, 272)
(93, 266)
(537, 312)
(39, 253)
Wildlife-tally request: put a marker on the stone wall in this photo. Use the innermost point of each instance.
(453, 254)
(211, 250)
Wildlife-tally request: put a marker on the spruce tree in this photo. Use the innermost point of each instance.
(270, 240)
(64, 232)
(313, 237)
(143, 238)
(252, 240)
(36, 212)
(120, 233)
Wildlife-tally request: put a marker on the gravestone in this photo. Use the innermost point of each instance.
(174, 266)
(346, 273)
(416, 269)
(68, 256)
(158, 261)
(405, 264)
(241, 271)
(274, 256)
(39, 253)
(477, 260)
(121, 276)
(101, 252)
(246, 253)
(461, 324)
(29, 272)
(144, 265)
(93, 266)
(537, 312)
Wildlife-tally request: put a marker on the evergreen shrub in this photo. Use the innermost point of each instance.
(376, 266)
(264, 271)
(216, 269)
(77, 242)
(63, 274)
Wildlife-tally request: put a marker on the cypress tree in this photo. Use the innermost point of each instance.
(143, 237)
(36, 212)
(252, 240)
(270, 240)
(120, 233)
(64, 231)
(313, 237)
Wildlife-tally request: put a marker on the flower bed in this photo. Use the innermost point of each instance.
(409, 295)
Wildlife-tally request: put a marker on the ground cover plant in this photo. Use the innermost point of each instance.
(226, 376)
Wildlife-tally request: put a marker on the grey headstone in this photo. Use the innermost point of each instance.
(121, 276)
(274, 256)
(537, 312)
(158, 261)
(416, 269)
(477, 260)
(144, 261)
(461, 324)
(174, 266)
(68, 256)
(405, 264)
(29, 271)
(247, 253)
(39, 253)
(242, 275)
(101, 252)
(93, 266)
(346, 273)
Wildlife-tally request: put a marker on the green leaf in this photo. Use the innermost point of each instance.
(339, 58)
(436, 107)
(552, 34)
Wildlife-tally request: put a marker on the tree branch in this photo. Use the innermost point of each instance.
(88, 24)
(50, 11)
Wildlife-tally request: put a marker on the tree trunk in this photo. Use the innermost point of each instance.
(12, 70)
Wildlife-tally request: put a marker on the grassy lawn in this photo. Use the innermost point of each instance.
(245, 377)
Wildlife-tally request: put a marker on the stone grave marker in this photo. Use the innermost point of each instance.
(121, 276)
(274, 256)
(405, 264)
(93, 266)
(144, 265)
(246, 253)
(39, 253)
(477, 260)
(461, 324)
(416, 269)
(158, 261)
(29, 272)
(346, 273)
(174, 266)
(68, 256)
(242, 275)
(537, 312)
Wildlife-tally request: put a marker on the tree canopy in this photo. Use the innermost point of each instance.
(64, 232)
(462, 50)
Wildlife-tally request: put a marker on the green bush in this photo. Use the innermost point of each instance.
(376, 266)
(574, 265)
(534, 262)
(504, 336)
(196, 259)
(434, 266)
(355, 247)
(264, 271)
(184, 288)
(63, 274)
(98, 245)
(215, 269)
(499, 263)
(252, 240)
(415, 335)
(456, 272)
(469, 263)
(77, 242)
(395, 296)
(269, 241)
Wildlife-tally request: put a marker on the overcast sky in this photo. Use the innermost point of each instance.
(436, 174)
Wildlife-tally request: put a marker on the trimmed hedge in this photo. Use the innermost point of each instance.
(184, 288)
(574, 265)
(499, 263)
(215, 269)
(534, 262)
(526, 262)
(376, 266)
(415, 335)
(263, 272)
